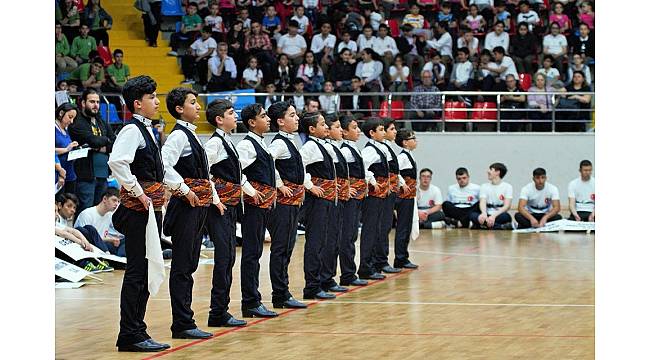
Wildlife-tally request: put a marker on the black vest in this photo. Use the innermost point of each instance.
(290, 169)
(147, 163)
(412, 172)
(322, 169)
(380, 168)
(194, 166)
(393, 165)
(229, 168)
(355, 168)
(263, 168)
(342, 165)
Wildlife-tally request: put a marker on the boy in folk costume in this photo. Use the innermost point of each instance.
(258, 166)
(136, 164)
(320, 199)
(225, 172)
(405, 199)
(186, 175)
(290, 178)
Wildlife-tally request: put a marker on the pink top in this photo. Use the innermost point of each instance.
(226, 4)
(587, 19)
(560, 19)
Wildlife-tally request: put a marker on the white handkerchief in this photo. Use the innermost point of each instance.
(78, 154)
(156, 265)
(415, 226)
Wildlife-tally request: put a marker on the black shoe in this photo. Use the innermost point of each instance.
(390, 270)
(166, 346)
(195, 333)
(410, 265)
(144, 346)
(231, 322)
(260, 311)
(291, 303)
(356, 282)
(337, 288)
(506, 226)
(373, 276)
(320, 295)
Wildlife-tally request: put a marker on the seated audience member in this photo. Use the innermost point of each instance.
(63, 61)
(539, 202)
(523, 48)
(429, 201)
(215, 22)
(469, 41)
(298, 99)
(414, 18)
(584, 44)
(504, 66)
(411, 48)
(190, 28)
(443, 43)
(66, 207)
(82, 45)
(357, 104)
(99, 217)
(510, 104)
(485, 77)
(89, 75)
(462, 199)
(540, 105)
(118, 72)
(385, 46)
(495, 198)
(555, 45)
(474, 21)
(425, 107)
(284, 75)
(369, 70)
(578, 64)
(461, 73)
(201, 50)
(438, 69)
(311, 73)
(398, 75)
(223, 71)
(293, 44)
(527, 15)
(346, 42)
(258, 43)
(575, 104)
(582, 194)
(322, 44)
(498, 37)
(329, 102)
(365, 40)
(501, 14)
(301, 19)
(271, 23)
(343, 70)
(252, 77)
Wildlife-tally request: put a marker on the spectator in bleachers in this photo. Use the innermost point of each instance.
(90, 129)
(474, 21)
(69, 233)
(258, 44)
(215, 22)
(429, 202)
(343, 70)
(118, 72)
(410, 48)
(370, 70)
(201, 50)
(354, 22)
(555, 44)
(485, 8)
(151, 18)
(365, 40)
(443, 43)
(236, 40)
(311, 73)
(292, 44)
(438, 69)
(512, 101)
(64, 116)
(202, 8)
(414, 18)
(527, 15)
(399, 74)
(243, 16)
(99, 21)
(540, 105)
(374, 17)
(284, 75)
(582, 194)
(484, 75)
(271, 98)
(100, 218)
(62, 59)
(505, 66)
(502, 14)
(523, 48)
(385, 46)
(312, 105)
(558, 16)
(298, 99)
(586, 14)
(578, 104)
(322, 45)
(498, 37)
(445, 14)
(70, 19)
(346, 42)
(584, 44)
(302, 20)
(311, 9)
(461, 74)
(82, 45)
(578, 64)
(539, 202)
(271, 23)
(552, 74)
(357, 104)
(495, 198)
(223, 71)
(425, 106)
(61, 95)
(190, 30)
(89, 75)
(469, 41)
(252, 77)
(330, 102)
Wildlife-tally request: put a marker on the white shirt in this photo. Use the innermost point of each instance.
(363, 42)
(463, 197)
(216, 22)
(201, 47)
(127, 142)
(230, 66)
(389, 157)
(495, 195)
(370, 156)
(292, 45)
(584, 192)
(303, 23)
(403, 160)
(216, 153)
(511, 68)
(539, 201)
(311, 153)
(299, 102)
(443, 45)
(530, 17)
(280, 151)
(555, 43)
(318, 44)
(427, 199)
(252, 75)
(351, 45)
(329, 103)
(380, 46)
(461, 43)
(375, 20)
(464, 71)
(429, 66)
(347, 153)
(246, 149)
(92, 217)
(493, 40)
(405, 71)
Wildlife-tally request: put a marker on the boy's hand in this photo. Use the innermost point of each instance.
(318, 191)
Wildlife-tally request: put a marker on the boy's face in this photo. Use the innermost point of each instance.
(446, 10)
(289, 122)
(462, 180)
(524, 8)
(299, 87)
(190, 110)
(270, 88)
(261, 123)
(243, 14)
(119, 57)
(320, 131)
(462, 57)
(547, 63)
(191, 10)
(415, 10)
(391, 132)
(300, 11)
(410, 143)
(493, 174)
(436, 59)
(68, 209)
(378, 134)
(425, 178)
(356, 84)
(111, 202)
(539, 181)
(367, 33)
(383, 32)
(228, 122)
(336, 133)
(148, 106)
(353, 132)
(346, 37)
(84, 30)
(329, 87)
(214, 9)
(270, 11)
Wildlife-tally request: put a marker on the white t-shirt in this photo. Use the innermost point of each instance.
(216, 22)
(495, 195)
(530, 17)
(318, 43)
(463, 71)
(463, 197)
(291, 45)
(303, 23)
(91, 216)
(393, 71)
(429, 66)
(352, 46)
(554, 43)
(202, 46)
(511, 68)
(539, 201)
(428, 198)
(251, 75)
(493, 40)
(461, 43)
(375, 20)
(584, 192)
(363, 42)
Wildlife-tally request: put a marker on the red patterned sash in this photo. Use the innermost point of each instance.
(297, 197)
(343, 188)
(412, 184)
(269, 194)
(381, 189)
(360, 186)
(394, 183)
(229, 193)
(154, 190)
(328, 186)
(201, 187)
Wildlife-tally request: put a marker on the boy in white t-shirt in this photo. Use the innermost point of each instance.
(462, 199)
(495, 199)
(582, 194)
(539, 202)
(429, 200)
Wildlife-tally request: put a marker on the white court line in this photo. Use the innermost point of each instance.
(337, 302)
(500, 256)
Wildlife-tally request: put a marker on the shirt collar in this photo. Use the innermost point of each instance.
(222, 133)
(286, 134)
(374, 142)
(406, 150)
(258, 138)
(186, 125)
(584, 38)
(320, 141)
(142, 119)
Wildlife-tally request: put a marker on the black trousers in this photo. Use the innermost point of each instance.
(317, 211)
(222, 231)
(189, 64)
(458, 213)
(184, 224)
(134, 294)
(500, 220)
(371, 216)
(403, 230)
(523, 223)
(151, 30)
(349, 233)
(253, 224)
(380, 251)
(431, 218)
(282, 227)
(331, 248)
(584, 216)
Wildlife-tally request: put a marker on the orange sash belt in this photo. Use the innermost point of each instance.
(328, 186)
(360, 186)
(201, 187)
(381, 189)
(297, 197)
(343, 187)
(154, 190)
(394, 183)
(269, 194)
(229, 193)
(412, 184)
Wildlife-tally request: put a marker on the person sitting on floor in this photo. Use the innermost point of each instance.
(539, 202)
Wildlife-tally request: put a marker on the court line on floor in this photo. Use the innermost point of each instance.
(500, 256)
(412, 334)
(311, 304)
(336, 302)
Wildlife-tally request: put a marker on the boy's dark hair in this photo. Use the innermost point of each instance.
(111, 192)
(193, 4)
(293, 23)
(176, 97)
(524, 2)
(207, 29)
(371, 124)
(444, 25)
(579, 72)
(499, 49)
(367, 26)
(216, 108)
(136, 88)
(388, 121)
(63, 108)
(384, 26)
(446, 4)
(346, 120)
(426, 170)
(461, 171)
(500, 22)
(250, 112)
(406, 28)
(501, 168)
(97, 60)
(276, 111)
(118, 51)
(308, 119)
(355, 78)
(84, 95)
(330, 119)
(402, 136)
(464, 50)
(548, 57)
(298, 80)
(539, 172)
(64, 197)
(584, 163)
(486, 52)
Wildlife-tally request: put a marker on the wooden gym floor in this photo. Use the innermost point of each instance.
(477, 295)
